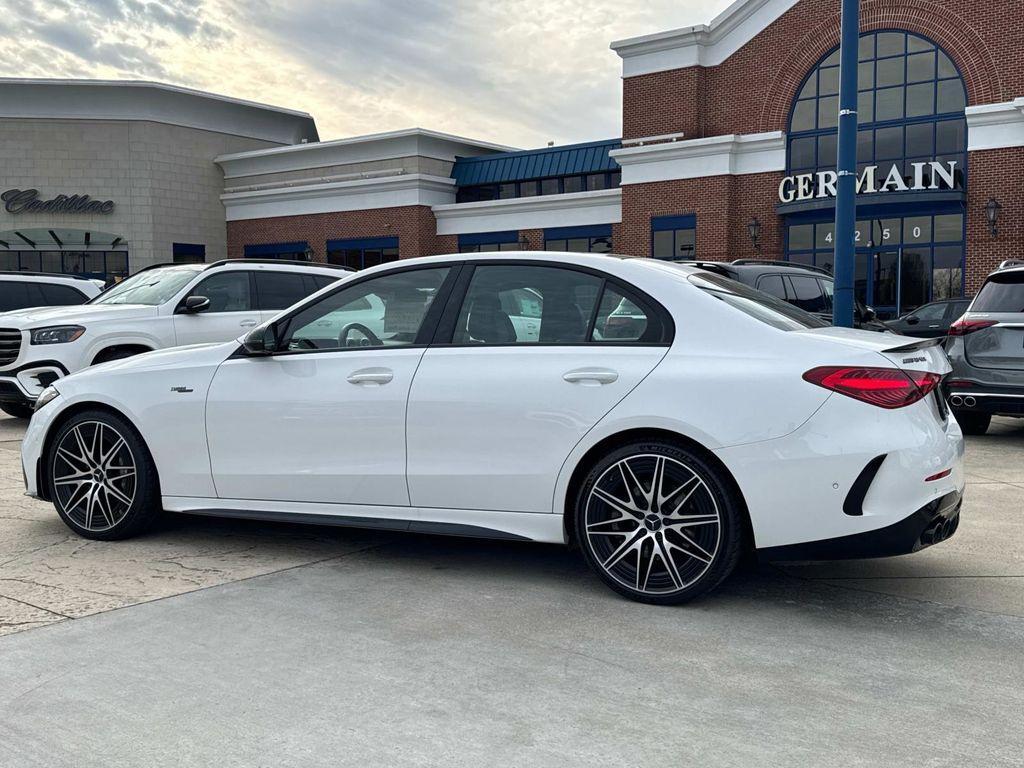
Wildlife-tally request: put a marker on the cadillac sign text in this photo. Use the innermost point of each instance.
(27, 201)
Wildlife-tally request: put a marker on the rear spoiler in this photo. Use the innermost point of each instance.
(915, 346)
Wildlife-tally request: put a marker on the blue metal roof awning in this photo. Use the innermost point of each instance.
(568, 160)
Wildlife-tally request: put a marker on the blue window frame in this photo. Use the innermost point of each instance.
(289, 251)
(911, 109)
(479, 242)
(360, 253)
(188, 253)
(911, 102)
(592, 239)
(674, 237)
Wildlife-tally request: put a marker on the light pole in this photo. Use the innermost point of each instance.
(846, 166)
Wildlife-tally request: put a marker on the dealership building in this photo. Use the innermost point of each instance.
(727, 150)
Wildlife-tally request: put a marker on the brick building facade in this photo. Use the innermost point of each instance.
(728, 133)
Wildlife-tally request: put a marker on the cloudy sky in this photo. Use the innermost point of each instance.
(519, 72)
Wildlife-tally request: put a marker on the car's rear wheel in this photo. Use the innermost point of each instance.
(658, 524)
(17, 410)
(101, 477)
(972, 423)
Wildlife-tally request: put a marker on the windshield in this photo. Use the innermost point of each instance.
(1002, 293)
(152, 287)
(762, 306)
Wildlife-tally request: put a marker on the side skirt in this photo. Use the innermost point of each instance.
(517, 526)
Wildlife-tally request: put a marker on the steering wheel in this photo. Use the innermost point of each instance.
(373, 339)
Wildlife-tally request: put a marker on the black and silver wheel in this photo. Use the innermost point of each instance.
(102, 479)
(658, 524)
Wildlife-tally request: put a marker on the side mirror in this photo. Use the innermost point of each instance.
(261, 341)
(194, 305)
(912, 319)
(869, 315)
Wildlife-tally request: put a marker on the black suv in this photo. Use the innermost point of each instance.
(801, 285)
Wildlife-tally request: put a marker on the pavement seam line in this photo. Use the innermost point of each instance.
(37, 607)
(203, 589)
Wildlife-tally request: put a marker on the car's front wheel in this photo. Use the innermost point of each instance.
(17, 410)
(101, 477)
(658, 523)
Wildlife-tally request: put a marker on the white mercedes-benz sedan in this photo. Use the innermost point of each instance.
(658, 416)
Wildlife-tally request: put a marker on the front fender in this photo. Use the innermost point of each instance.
(165, 400)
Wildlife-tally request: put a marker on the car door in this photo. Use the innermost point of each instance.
(495, 409)
(320, 421)
(925, 322)
(231, 313)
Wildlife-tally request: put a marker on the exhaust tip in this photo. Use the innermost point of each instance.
(970, 402)
(956, 400)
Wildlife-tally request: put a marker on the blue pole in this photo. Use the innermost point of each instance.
(846, 167)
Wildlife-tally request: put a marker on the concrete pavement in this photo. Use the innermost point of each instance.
(283, 645)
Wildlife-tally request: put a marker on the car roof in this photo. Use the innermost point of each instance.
(278, 265)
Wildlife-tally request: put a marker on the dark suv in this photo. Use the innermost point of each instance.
(807, 287)
(986, 348)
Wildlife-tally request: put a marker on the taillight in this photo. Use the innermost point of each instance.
(963, 326)
(884, 387)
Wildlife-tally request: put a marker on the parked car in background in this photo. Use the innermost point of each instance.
(809, 288)
(21, 290)
(930, 321)
(663, 437)
(162, 306)
(986, 349)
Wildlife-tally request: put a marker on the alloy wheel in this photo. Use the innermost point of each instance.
(652, 524)
(94, 476)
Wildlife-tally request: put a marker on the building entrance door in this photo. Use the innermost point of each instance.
(877, 280)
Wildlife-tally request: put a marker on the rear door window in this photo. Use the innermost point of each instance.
(55, 295)
(807, 294)
(1001, 293)
(279, 290)
(18, 294)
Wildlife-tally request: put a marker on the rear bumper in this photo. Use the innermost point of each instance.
(1006, 401)
(934, 522)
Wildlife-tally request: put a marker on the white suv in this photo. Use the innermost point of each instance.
(162, 306)
(20, 290)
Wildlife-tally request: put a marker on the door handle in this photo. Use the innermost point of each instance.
(370, 377)
(591, 377)
(247, 323)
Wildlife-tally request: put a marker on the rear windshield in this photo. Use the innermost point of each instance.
(1001, 293)
(768, 309)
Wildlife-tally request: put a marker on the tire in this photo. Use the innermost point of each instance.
(101, 477)
(17, 410)
(628, 540)
(973, 423)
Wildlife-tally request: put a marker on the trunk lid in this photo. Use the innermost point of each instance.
(902, 352)
(998, 347)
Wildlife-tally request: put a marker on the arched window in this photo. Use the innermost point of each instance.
(911, 102)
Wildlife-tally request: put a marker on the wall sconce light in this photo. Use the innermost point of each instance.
(308, 254)
(524, 244)
(992, 209)
(754, 228)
